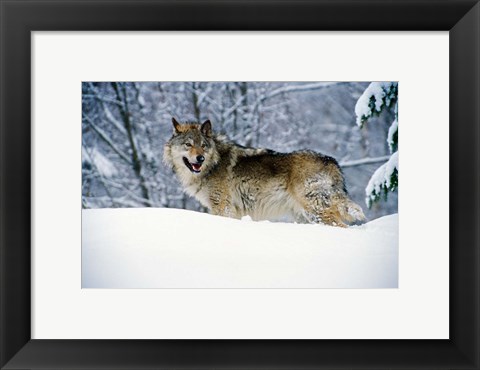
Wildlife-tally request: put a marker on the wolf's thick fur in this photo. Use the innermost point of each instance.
(235, 181)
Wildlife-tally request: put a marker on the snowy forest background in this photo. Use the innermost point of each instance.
(126, 124)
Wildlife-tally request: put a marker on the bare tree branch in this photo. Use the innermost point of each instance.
(360, 162)
(107, 140)
(296, 88)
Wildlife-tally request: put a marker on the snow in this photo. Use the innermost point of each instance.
(391, 132)
(377, 90)
(173, 248)
(381, 177)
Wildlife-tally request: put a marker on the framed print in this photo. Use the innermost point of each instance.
(73, 293)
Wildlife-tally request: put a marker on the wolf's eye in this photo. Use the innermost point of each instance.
(188, 145)
(204, 145)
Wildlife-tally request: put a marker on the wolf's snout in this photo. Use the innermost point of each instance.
(200, 158)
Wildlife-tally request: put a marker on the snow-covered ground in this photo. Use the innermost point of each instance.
(172, 248)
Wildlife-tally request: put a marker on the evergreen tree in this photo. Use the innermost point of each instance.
(376, 98)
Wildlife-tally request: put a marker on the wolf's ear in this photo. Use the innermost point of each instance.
(176, 126)
(206, 128)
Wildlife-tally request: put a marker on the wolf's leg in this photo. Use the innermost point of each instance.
(318, 208)
(313, 196)
(323, 198)
(350, 211)
(331, 216)
(222, 209)
(328, 216)
(221, 206)
(302, 218)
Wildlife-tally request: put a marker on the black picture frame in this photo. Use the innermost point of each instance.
(18, 18)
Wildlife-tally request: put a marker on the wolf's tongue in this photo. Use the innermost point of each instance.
(196, 167)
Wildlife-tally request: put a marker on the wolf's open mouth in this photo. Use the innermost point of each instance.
(194, 167)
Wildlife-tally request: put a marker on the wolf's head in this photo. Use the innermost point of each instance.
(191, 150)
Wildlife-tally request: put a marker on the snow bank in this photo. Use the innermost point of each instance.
(172, 248)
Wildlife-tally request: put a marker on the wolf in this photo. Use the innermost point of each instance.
(235, 181)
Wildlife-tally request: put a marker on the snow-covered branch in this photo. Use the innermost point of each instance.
(384, 179)
(373, 100)
(297, 88)
(233, 108)
(107, 140)
(293, 88)
(131, 194)
(392, 137)
(103, 99)
(111, 118)
(96, 95)
(360, 162)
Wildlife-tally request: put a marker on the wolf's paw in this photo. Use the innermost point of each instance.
(355, 212)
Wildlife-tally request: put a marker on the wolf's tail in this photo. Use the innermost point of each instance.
(351, 212)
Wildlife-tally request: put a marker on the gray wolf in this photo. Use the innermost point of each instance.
(235, 181)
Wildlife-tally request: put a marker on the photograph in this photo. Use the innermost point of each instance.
(240, 184)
